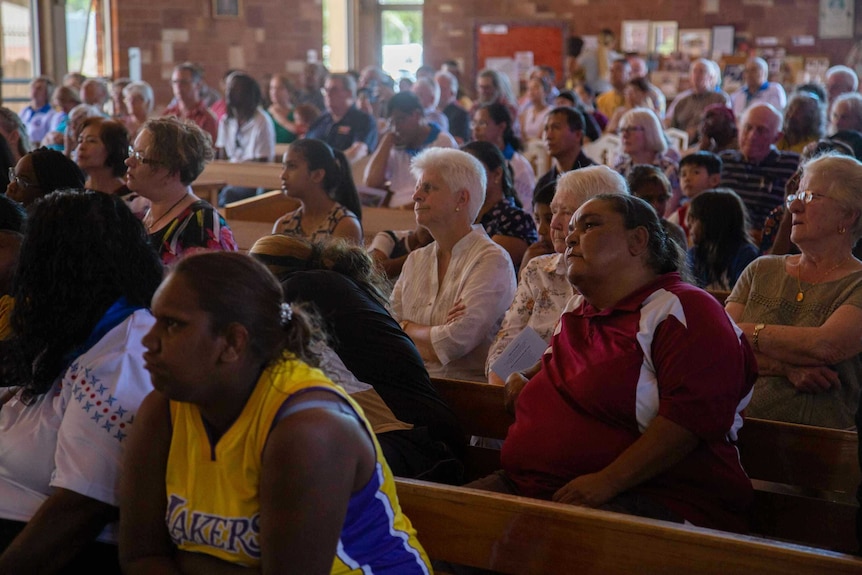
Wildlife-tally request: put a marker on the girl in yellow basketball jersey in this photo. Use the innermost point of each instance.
(245, 455)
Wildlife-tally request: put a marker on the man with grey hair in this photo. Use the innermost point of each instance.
(94, 92)
(459, 119)
(757, 89)
(344, 126)
(839, 80)
(187, 105)
(639, 69)
(38, 114)
(13, 129)
(758, 171)
(687, 108)
(428, 93)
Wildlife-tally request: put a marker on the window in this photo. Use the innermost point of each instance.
(86, 37)
(401, 36)
(18, 52)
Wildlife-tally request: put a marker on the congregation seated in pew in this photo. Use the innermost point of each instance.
(627, 410)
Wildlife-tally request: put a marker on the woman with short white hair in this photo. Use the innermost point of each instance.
(643, 142)
(139, 102)
(452, 293)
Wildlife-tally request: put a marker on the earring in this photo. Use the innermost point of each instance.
(842, 229)
(457, 209)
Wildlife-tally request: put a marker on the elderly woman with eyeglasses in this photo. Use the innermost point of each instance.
(803, 313)
(644, 142)
(167, 156)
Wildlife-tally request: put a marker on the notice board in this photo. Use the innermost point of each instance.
(546, 40)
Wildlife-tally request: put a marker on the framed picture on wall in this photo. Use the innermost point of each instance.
(696, 43)
(227, 8)
(663, 37)
(635, 36)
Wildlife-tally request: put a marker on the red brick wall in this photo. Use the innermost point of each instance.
(270, 36)
(275, 35)
(449, 24)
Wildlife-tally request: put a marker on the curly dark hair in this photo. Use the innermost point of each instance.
(181, 146)
(81, 253)
(243, 95)
(235, 288)
(54, 171)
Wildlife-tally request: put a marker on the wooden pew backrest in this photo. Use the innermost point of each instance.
(265, 175)
(804, 477)
(518, 535)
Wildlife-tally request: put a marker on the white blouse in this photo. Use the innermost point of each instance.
(480, 274)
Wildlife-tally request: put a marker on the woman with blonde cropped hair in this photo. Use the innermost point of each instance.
(167, 156)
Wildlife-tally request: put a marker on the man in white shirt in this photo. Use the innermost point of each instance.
(757, 89)
(408, 134)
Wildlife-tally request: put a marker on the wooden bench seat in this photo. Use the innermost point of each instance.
(804, 477)
(245, 174)
(511, 534)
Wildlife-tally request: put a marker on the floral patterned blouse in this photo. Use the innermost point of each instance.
(507, 219)
(198, 227)
(542, 294)
(291, 224)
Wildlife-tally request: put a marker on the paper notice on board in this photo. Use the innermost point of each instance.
(522, 352)
(524, 63)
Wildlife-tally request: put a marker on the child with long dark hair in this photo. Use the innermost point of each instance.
(717, 221)
(320, 178)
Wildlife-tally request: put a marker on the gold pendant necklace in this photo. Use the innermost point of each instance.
(800, 295)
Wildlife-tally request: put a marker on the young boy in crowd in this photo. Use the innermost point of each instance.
(698, 172)
(650, 184)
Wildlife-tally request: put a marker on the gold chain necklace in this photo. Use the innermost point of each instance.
(800, 295)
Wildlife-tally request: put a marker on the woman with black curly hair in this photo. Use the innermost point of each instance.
(76, 378)
(41, 172)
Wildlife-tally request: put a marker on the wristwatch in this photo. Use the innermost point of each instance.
(755, 337)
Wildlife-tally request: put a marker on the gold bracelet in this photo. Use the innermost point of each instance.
(403, 325)
(755, 338)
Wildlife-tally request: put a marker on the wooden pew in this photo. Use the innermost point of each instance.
(247, 174)
(804, 477)
(523, 536)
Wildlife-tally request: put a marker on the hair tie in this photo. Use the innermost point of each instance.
(286, 313)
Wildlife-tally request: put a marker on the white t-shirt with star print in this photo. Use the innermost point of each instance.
(73, 436)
